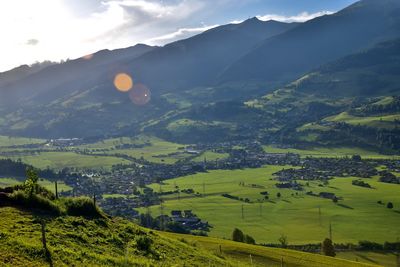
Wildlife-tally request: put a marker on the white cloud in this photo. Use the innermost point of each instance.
(179, 34)
(58, 29)
(302, 17)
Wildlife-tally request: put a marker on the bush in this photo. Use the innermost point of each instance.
(389, 205)
(82, 206)
(237, 235)
(144, 243)
(327, 248)
(34, 202)
(249, 240)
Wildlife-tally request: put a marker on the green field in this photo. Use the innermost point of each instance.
(6, 141)
(386, 121)
(159, 151)
(296, 216)
(60, 160)
(62, 187)
(330, 152)
(384, 259)
(210, 156)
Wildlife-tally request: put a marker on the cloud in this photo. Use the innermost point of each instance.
(82, 27)
(32, 42)
(302, 17)
(180, 34)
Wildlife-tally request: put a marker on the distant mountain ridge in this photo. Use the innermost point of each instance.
(216, 72)
(318, 41)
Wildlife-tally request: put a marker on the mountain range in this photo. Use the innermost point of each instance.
(254, 79)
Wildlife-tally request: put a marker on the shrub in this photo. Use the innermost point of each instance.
(283, 240)
(144, 243)
(34, 202)
(81, 206)
(237, 235)
(327, 248)
(389, 205)
(249, 240)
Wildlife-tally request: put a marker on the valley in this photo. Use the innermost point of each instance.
(222, 140)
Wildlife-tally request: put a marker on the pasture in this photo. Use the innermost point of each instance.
(302, 218)
(62, 159)
(330, 152)
(62, 187)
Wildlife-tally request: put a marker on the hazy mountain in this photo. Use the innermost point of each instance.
(373, 72)
(62, 79)
(21, 72)
(200, 59)
(78, 98)
(319, 41)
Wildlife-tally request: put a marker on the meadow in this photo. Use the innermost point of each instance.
(62, 187)
(6, 141)
(66, 159)
(302, 218)
(330, 152)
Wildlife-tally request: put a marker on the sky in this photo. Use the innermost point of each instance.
(35, 31)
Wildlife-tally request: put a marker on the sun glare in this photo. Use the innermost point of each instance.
(140, 95)
(123, 82)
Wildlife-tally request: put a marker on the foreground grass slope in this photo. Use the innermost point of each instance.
(250, 255)
(76, 241)
(79, 241)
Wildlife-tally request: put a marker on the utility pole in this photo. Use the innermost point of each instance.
(161, 216)
(398, 252)
(56, 189)
(148, 216)
(242, 212)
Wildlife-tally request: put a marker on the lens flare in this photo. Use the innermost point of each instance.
(140, 95)
(123, 82)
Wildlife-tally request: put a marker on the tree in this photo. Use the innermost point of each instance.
(389, 205)
(335, 200)
(31, 182)
(283, 240)
(278, 194)
(249, 240)
(327, 248)
(237, 235)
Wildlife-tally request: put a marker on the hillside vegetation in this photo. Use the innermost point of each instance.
(39, 229)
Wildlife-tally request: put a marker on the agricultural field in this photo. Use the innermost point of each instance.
(302, 218)
(328, 152)
(210, 156)
(384, 259)
(154, 149)
(62, 159)
(386, 121)
(8, 141)
(62, 187)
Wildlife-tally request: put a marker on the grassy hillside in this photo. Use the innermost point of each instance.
(115, 242)
(250, 255)
(84, 242)
(294, 214)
